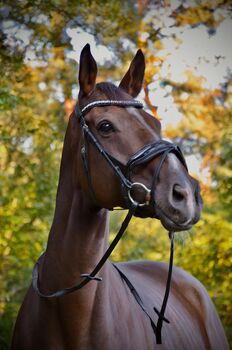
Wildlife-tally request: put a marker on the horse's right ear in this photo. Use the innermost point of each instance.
(132, 82)
(87, 72)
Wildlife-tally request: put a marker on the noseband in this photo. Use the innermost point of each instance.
(160, 148)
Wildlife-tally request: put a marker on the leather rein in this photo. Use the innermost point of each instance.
(160, 148)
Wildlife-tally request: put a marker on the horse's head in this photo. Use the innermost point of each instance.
(120, 144)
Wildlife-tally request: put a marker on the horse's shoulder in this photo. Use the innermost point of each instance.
(154, 273)
(153, 269)
(187, 296)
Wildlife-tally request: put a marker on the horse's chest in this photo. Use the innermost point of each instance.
(135, 333)
(125, 326)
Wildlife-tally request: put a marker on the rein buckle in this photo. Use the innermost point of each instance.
(91, 278)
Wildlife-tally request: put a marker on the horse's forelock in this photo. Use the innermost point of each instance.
(112, 92)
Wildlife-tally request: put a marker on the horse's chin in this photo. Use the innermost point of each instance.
(167, 222)
(172, 226)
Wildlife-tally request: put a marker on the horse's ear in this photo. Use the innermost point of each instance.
(133, 80)
(87, 72)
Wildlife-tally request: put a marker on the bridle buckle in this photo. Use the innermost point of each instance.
(147, 194)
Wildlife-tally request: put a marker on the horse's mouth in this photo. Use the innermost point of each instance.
(167, 222)
(170, 224)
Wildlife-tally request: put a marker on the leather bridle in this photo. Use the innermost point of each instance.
(144, 155)
(160, 148)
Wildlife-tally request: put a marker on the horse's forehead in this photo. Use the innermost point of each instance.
(137, 115)
(131, 118)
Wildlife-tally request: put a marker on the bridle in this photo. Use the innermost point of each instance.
(160, 148)
(144, 155)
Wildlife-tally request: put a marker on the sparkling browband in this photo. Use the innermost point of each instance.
(103, 103)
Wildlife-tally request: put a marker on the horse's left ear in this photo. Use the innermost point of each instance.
(132, 81)
(87, 72)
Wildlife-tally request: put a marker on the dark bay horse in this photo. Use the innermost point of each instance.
(112, 144)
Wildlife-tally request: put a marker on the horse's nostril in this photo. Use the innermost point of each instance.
(179, 194)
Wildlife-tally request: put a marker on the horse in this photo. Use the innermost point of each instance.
(114, 156)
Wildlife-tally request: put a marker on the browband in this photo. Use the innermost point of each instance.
(104, 103)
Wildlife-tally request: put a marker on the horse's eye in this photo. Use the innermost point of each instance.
(105, 127)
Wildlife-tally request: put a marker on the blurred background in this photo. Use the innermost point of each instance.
(188, 86)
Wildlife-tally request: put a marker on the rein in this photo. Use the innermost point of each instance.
(160, 148)
(86, 278)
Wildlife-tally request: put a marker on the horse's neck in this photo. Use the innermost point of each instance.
(78, 237)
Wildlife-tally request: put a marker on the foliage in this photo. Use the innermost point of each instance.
(27, 179)
(38, 80)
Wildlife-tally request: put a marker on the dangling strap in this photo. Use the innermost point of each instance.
(87, 276)
(161, 318)
(165, 300)
(136, 296)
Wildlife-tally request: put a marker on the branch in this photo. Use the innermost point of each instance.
(148, 101)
